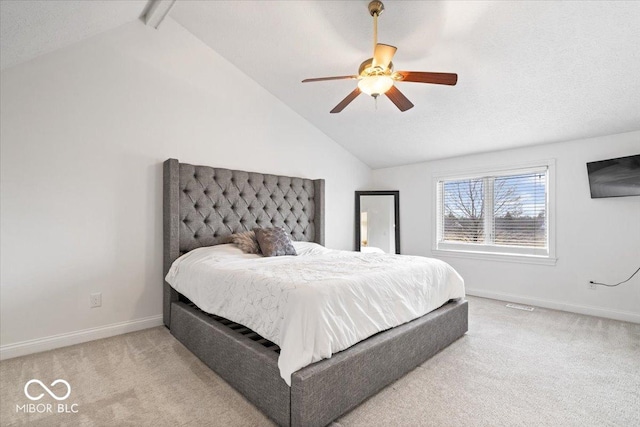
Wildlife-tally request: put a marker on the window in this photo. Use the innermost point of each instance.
(503, 213)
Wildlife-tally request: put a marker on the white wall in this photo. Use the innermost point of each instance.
(597, 239)
(84, 133)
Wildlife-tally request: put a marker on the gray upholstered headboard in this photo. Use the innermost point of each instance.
(203, 206)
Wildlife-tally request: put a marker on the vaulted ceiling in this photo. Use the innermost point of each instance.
(29, 28)
(529, 72)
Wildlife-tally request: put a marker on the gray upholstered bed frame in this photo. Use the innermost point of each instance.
(202, 207)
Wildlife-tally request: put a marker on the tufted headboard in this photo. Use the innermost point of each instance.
(203, 206)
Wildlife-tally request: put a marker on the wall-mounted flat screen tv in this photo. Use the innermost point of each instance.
(615, 177)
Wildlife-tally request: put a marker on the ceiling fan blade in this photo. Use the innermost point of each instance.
(321, 79)
(353, 95)
(399, 99)
(383, 54)
(426, 77)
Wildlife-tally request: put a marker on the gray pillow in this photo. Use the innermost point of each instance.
(246, 241)
(274, 241)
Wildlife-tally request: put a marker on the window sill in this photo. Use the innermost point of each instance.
(499, 257)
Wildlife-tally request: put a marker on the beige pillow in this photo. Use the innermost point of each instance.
(246, 241)
(274, 241)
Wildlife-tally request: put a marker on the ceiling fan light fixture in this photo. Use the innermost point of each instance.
(375, 85)
(376, 75)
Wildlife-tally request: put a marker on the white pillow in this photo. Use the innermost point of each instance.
(227, 250)
(371, 250)
(310, 248)
(208, 256)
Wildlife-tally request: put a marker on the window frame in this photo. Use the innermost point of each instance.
(490, 251)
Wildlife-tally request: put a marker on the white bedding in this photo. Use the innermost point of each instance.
(317, 303)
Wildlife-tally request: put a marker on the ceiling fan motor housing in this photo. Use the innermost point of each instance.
(367, 69)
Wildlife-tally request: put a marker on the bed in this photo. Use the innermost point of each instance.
(202, 207)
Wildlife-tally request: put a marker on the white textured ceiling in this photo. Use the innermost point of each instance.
(529, 72)
(29, 28)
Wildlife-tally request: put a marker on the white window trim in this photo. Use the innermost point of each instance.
(493, 252)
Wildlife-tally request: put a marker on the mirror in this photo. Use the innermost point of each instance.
(378, 221)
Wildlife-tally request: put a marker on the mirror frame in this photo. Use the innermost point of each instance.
(396, 210)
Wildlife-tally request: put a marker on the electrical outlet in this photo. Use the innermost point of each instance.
(95, 300)
(592, 286)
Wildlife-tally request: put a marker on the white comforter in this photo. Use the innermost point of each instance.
(317, 303)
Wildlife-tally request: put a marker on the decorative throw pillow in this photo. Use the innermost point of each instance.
(274, 241)
(246, 241)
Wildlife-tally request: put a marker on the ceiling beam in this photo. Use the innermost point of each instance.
(157, 10)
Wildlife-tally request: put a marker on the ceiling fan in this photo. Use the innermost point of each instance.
(376, 76)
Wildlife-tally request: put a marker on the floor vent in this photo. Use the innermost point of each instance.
(520, 307)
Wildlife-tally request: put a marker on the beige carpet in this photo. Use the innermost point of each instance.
(540, 368)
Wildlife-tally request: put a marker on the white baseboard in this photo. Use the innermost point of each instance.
(626, 316)
(63, 340)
